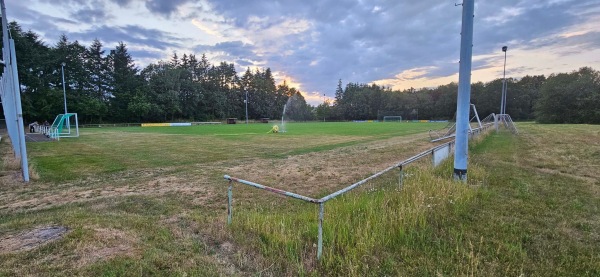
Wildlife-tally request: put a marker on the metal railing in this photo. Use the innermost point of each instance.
(321, 201)
(507, 122)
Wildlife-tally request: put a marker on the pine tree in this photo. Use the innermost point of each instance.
(123, 81)
(97, 89)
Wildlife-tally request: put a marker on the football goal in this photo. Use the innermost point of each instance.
(64, 126)
(392, 118)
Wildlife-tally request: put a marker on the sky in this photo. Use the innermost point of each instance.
(313, 43)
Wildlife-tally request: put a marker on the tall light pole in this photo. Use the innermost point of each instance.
(246, 101)
(503, 100)
(463, 101)
(63, 83)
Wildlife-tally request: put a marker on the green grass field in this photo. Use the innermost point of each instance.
(103, 150)
(152, 201)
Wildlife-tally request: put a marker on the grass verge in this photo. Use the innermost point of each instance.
(516, 217)
(378, 230)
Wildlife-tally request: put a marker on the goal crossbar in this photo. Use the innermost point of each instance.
(392, 118)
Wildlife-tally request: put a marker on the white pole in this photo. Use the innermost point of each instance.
(503, 107)
(464, 92)
(246, 101)
(64, 88)
(502, 98)
(19, 109)
(10, 62)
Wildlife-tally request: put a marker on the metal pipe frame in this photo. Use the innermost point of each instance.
(324, 199)
(10, 94)
(320, 243)
(274, 190)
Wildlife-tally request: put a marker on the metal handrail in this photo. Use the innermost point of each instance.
(321, 201)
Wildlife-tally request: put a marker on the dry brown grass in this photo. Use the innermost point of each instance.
(564, 151)
(176, 211)
(327, 171)
(198, 186)
(105, 244)
(308, 174)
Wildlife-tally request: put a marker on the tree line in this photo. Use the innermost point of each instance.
(559, 98)
(106, 86)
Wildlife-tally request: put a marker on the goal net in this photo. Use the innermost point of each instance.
(395, 118)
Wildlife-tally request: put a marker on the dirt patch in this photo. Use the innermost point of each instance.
(107, 243)
(326, 171)
(32, 239)
(32, 199)
(309, 174)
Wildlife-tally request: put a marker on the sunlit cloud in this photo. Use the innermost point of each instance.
(281, 77)
(315, 98)
(269, 35)
(361, 41)
(211, 30)
(504, 15)
(415, 78)
(573, 33)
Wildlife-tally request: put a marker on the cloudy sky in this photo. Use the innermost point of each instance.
(313, 43)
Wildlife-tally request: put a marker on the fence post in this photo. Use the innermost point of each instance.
(400, 177)
(229, 200)
(320, 243)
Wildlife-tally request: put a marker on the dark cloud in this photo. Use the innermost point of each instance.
(362, 42)
(575, 42)
(146, 54)
(586, 41)
(235, 49)
(243, 62)
(164, 7)
(357, 41)
(479, 64)
(232, 50)
(35, 19)
(89, 15)
(519, 71)
(122, 3)
(71, 3)
(130, 34)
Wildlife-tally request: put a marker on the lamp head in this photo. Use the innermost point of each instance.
(63, 64)
(504, 48)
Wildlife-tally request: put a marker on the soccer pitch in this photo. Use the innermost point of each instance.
(112, 150)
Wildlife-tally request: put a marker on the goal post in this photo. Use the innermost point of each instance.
(392, 118)
(10, 95)
(64, 126)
